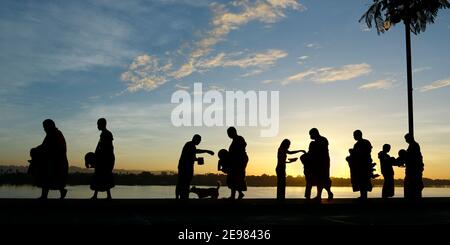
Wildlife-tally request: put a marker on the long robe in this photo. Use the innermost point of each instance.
(360, 162)
(316, 163)
(103, 178)
(413, 184)
(49, 165)
(238, 163)
(185, 170)
(321, 158)
(386, 163)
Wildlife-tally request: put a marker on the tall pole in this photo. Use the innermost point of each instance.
(409, 78)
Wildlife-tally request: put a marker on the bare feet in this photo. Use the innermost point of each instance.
(317, 199)
(330, 196)
(63, 193)
(241, 195)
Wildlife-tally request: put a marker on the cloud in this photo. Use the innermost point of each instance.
(421, 69)
(302, 59)
(224, 21)
(312, 45)
(185, 70)
(298, 77)
(226, 18)
(57, 37)
(145, 73)
(264, 59)
(379, 84)
(148, 73)
(213, 62)
(218, 88)
(330, 74)
(267, 81)
(436, 85)
(252, 73)
(182, 87)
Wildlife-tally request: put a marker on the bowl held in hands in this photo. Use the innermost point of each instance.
(200, 161)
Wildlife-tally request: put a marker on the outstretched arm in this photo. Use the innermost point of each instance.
(291, 160)
(293, 152)
(200, 151)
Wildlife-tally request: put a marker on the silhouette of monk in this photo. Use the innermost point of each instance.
(317, 165)
(238, 163)
(360, 162)
(48, 164)
(103, 179)
(387, 162)
(413, 160)
(186, 166)
(283, 151)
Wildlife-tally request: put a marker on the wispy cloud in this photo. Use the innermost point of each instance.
(218, 88)
(47, 38)
(421, 69)
(379, 84)
(262, 60)
(182, 87)
(312, 45)
(330, 74)
(252, 73)
(226, 18)
(302, 59)
(146, 73)
(267, 81)
(436, 85)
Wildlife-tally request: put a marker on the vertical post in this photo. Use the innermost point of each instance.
(409, 78)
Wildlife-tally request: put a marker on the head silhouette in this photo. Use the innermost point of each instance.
(314, 133)
(409, 138)
(101, 124)
(49, 125)
(285, 144)
(232, 133)
(357, 135)
(386, 148)
(222, 154)
(196, 139)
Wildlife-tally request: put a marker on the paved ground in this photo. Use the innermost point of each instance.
(153, 221)
(249, 212)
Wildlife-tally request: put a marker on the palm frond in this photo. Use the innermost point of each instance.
(418, 13)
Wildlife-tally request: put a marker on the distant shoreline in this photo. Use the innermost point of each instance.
(17, 175)
(149, 179)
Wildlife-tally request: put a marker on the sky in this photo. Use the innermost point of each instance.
(77, 61)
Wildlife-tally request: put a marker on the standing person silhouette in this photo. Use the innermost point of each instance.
(413, 183)
(103, 179)
(48, 163)
(318, 162)
(238, 163)
(387, 170)
(186, 166)
(361, 165)
(283, 151)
